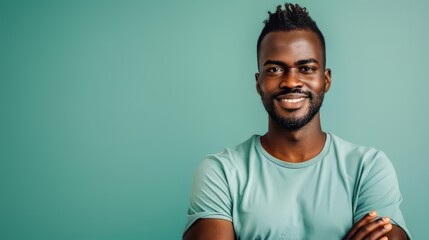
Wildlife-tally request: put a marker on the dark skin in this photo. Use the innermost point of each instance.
(294, 59)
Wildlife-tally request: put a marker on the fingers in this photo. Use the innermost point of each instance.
(365, 220)
(367, 228)
(374, 230)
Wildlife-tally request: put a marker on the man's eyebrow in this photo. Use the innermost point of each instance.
(297, 63)
(305, 61)
(275, 62)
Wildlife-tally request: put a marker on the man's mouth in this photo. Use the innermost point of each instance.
(292, 100)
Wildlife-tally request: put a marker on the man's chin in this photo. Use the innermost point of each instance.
(294, 120)
(290, 123)
(292, 114)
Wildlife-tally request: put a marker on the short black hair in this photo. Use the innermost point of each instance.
(293, 17)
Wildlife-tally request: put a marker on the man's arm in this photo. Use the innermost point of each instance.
(397, 233)
(378, 189)
(380, 229)
(210, 229)
(209, 213)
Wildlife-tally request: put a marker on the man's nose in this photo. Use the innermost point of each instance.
(291, 79)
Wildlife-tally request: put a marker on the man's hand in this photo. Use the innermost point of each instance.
(368, 229)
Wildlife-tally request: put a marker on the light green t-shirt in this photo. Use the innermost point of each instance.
(266, 198)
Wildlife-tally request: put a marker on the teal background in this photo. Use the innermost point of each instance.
(108, 106)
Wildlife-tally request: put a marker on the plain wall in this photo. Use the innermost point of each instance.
(107, 107)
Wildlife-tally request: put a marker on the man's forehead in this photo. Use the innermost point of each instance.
(290, 39)
(295, 43)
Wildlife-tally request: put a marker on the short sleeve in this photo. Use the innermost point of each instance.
(379, 191)
(210, 196)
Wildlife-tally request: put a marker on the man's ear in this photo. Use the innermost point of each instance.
(327, 79)
(258, 88)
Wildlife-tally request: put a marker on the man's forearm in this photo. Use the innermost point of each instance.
(397, 233)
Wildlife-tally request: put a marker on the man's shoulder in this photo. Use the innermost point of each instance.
(346, 145)
(232, 157)
(238, 150)
(352, 152)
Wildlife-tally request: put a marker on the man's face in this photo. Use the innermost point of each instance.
(292, 80)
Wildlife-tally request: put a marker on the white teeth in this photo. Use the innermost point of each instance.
(292, 100)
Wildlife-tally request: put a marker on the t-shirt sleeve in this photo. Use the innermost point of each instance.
(379, 191)
(210, 196)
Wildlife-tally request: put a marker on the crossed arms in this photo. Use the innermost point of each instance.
(365, 229)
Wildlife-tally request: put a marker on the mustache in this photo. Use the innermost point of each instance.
(293, 90)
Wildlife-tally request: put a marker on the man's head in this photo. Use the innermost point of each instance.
(293, 17)
(292, 78)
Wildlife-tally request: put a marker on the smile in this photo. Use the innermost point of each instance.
(293, 100)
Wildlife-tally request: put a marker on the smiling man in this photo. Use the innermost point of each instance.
(295, 181)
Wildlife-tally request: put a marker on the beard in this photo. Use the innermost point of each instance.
(290, 122)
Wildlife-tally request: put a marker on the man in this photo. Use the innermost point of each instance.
(296, 181)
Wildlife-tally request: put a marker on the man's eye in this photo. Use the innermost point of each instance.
(307, 69)
(274, 69)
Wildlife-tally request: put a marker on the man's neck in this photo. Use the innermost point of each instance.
(294, 146)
